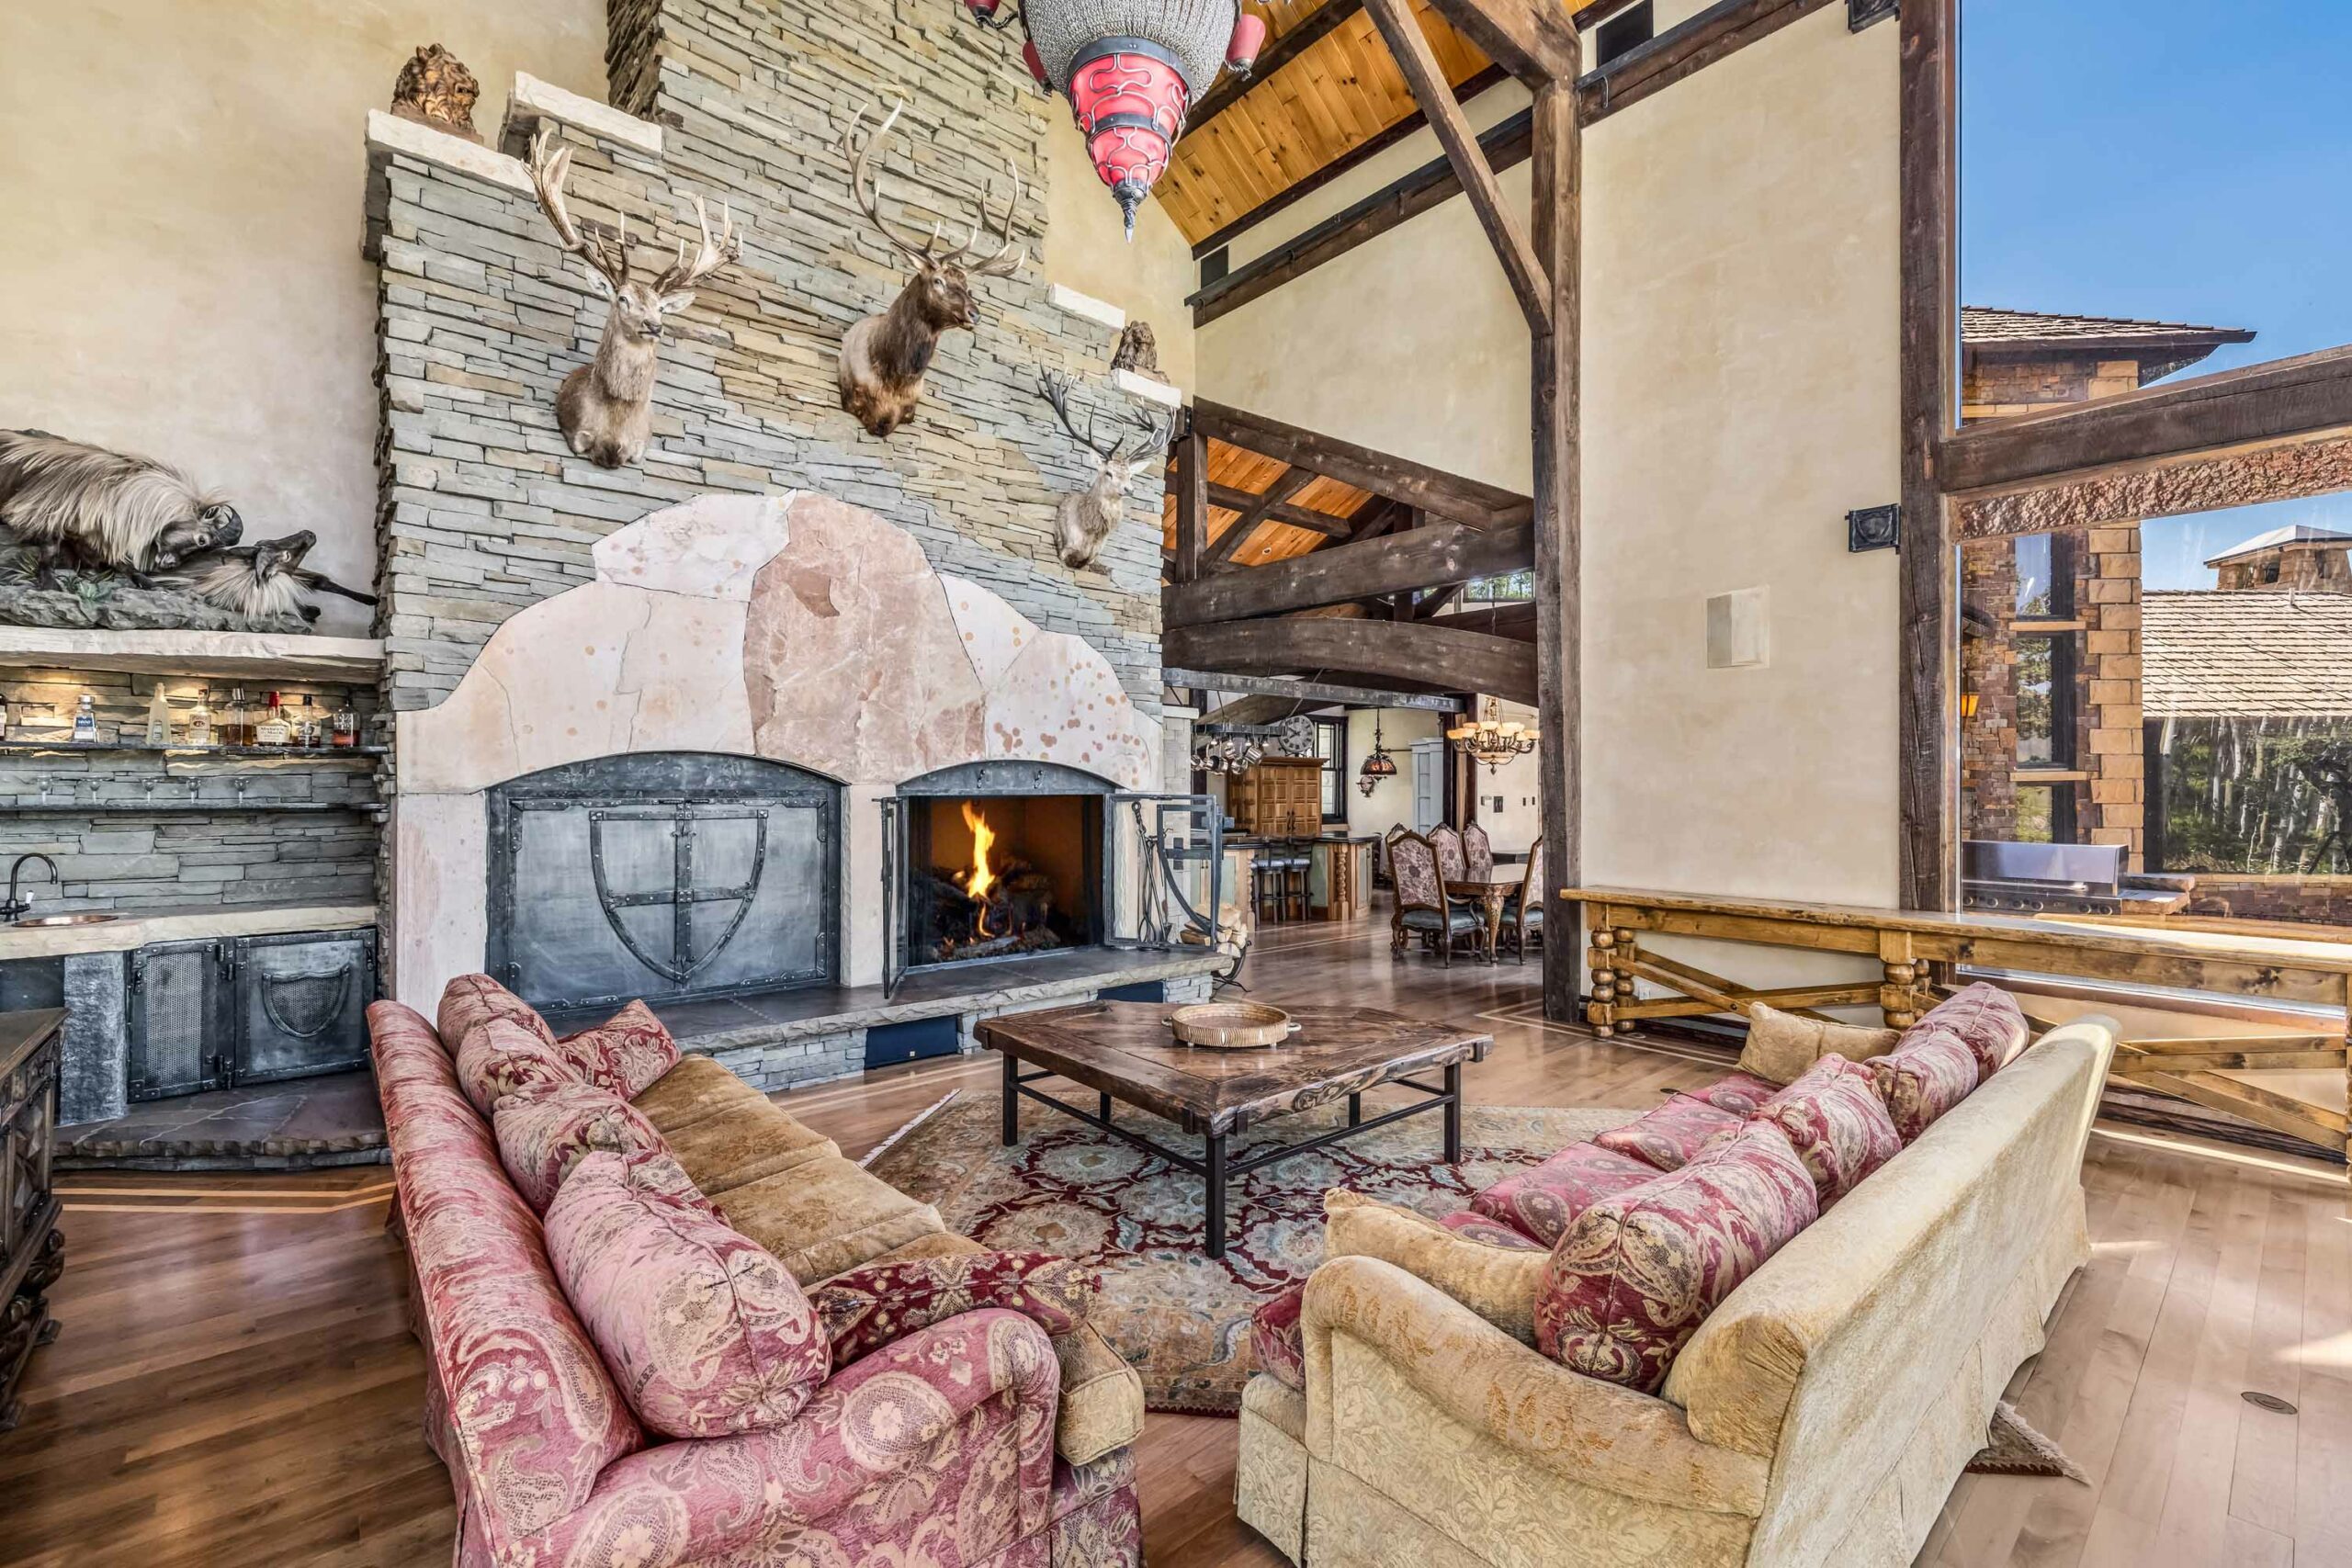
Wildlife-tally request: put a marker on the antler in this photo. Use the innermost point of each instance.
(607, 257)
(862, 186)
(1056, 389)
(725, 251)
(1156, 432)
(1009, 258)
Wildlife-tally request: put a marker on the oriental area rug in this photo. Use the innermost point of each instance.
(1182, 1319)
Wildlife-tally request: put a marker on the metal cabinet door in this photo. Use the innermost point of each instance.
(301, 1003)
(181, 1034)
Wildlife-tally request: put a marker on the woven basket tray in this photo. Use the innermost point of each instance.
(1231, 1026)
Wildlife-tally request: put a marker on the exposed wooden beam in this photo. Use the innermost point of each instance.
(1231, 89)
(1338, 167)
(1432, 185)
(1191, 485)
(1318, 690)
(1714, 34)
(1927, 778)
(1275, 504)
(1424, 558)
(1379, 649)
(2282, 401)
(1401, 28)
(1451, 496)
(1559, 605)
(1512, 618)
(1262, 710)
(1535, 39)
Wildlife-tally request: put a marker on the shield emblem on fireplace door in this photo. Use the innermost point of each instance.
(675, 882)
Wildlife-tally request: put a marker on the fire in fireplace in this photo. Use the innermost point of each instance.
(995, 876)
(1000, 860)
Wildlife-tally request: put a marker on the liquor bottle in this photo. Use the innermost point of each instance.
(159, 719)
(85, 721)
(347, 726)
(200, 720)
(273, 730)
(306, 731)
(237, 723)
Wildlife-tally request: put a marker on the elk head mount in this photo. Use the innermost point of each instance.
(1084, 522)
(884, 358)
(605, 409)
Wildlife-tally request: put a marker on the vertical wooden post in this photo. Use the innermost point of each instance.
(1929, 759)
(1191, 500)
(1558, 177)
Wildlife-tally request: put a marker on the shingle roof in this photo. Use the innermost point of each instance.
(2246, 655)
(2293, 534)
(1983, 327)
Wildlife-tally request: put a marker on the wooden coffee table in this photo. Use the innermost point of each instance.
(1124, 1052)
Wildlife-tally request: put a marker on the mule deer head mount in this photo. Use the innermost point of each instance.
(605, 409)
(1084, 522)
(884, 358)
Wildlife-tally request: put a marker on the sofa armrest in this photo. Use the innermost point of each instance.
(1594, 1433)
(992, 1373)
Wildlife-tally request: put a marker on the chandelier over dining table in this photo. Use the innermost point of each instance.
(1493, 741)
(1132, 70)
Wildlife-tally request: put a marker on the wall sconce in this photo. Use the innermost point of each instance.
(1967, 708)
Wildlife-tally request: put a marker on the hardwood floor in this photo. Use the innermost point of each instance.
(235, 1385)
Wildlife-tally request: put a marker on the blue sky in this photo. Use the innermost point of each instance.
(2170, 160)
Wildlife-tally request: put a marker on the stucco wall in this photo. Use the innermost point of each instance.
(1087, 248)
(183, 199)
(1741, 390)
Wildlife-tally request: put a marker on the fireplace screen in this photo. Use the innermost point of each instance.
(662, 876)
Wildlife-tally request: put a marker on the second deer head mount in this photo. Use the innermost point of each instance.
(606, 408)
(884, 358)
(1085, 522)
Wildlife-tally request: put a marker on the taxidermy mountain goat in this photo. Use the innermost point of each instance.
(267, 581)
(1084, 522)
(84, 506)
(605, 409)
(884, 358)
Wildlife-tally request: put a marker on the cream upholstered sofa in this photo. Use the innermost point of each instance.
(1819, 1416)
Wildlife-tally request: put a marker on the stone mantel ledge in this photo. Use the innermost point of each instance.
(140, 928)
(534, 99)
(531, 100)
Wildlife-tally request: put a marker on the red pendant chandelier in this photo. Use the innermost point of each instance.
(1131, 70)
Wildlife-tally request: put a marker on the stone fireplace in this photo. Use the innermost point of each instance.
(725, 769)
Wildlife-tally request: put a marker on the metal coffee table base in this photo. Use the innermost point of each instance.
(1215, 1167)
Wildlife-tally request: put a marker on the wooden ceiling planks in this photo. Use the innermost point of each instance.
(1338, 93)
(1237, 469)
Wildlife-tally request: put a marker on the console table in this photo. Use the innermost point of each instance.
(1913, 948)
(32, 1249)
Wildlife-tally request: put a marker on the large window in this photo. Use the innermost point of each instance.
(1332, 744)
(2155, 612)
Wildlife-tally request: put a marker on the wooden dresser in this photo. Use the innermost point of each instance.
(32, 1249)
(1281, 797)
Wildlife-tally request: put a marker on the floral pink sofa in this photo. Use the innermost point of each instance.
(975, 1443)
(1828, 1287)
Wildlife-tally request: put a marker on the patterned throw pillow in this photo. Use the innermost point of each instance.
(544, 1132)
(1494, 1232)
(1984, 1018)
(1637, 1273)
(1781, 1045)
(628, 1053)
(706, 1332)
(1277, 1340)
(498, 1058)
(1741, 1094)
(867, 1308)
(1671, 1136)
(1835, 1120)
(470, 999)
(1542, 1201)
(1922, 1080)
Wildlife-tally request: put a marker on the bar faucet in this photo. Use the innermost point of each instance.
(12, 906)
